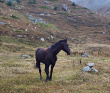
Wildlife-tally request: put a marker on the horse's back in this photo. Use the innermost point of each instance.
(41, 53)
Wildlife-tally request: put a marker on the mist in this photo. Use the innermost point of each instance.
(92, 4)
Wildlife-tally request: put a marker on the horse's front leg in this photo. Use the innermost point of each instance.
(47, 72)
(52, 66)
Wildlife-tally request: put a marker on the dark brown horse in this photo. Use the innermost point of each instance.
(48, 56)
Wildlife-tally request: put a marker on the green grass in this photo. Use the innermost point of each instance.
(15, 17)
(44, 7)
(4, 17)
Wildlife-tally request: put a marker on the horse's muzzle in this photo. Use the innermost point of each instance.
(69, 52)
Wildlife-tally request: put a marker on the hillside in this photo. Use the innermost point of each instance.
(25, 27)
(79, 23)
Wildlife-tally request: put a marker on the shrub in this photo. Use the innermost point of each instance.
(32, 1)
(9, 3)
(1, 1)
(56, 7)
(15, 17)
(44, 7)
(73, 4)
(18, 1)
(109, 23)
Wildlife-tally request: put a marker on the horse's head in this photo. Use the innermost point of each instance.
(65, 47)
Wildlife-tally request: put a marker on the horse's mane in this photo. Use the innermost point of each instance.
(56, 44)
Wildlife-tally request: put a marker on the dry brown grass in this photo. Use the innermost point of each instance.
(19, 75)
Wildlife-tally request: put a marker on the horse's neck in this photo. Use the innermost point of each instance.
(56, 50)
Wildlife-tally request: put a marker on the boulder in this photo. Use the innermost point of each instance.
(2, 23)
(65, 7)
(46, 2)
(86, 68)
(89, 67)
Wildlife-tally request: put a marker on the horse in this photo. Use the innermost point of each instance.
(48, 56)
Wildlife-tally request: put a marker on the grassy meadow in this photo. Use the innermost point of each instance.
(19, 75)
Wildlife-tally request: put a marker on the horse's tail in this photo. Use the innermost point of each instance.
(37, 62)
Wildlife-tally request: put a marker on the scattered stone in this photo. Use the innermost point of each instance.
(89, 67)
(26, 56)
(86, 68)
(35, 20)
(42, 14)
(51, 36)
(65, 7)
(54, 13)
(46, 2)
(42, 39)
(20, 36)
(49, 14)
(90, 64)
(2, 23)
(104, 32)
(26, 29)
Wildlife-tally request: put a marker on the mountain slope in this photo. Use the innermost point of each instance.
(100, 6)
(79, 25)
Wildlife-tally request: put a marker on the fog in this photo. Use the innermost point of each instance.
(92, 4)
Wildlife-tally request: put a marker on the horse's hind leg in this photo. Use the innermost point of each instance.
(38, 65)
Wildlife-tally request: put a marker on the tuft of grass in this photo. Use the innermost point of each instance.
(17, 30)
(63, 13)
(44, 7)
(4, 17)
(15, 17)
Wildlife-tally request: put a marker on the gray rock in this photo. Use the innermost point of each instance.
(42, 14)
(42, 39)
(87, 68)
(20, 36)
(35, 20)
(90, 64)
(95, 70)
(2, 23)
(64, 7)
(25, 56)
(46, 2)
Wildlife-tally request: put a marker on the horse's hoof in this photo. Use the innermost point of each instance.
(50, 79)
(41, 79)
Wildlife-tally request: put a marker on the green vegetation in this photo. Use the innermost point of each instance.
(17, 30)
(15, 17)
(85, 8)
(9, 3)
(76, 8)
(4, 17)
(1, 1)
(44, 7)
(32, 1)
(73, 4)
(56, 8)
(46, 25)
(91, 13)
(63, 13)
(109, 23)
(18, 1)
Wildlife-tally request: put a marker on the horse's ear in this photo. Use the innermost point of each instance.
(65, 40)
